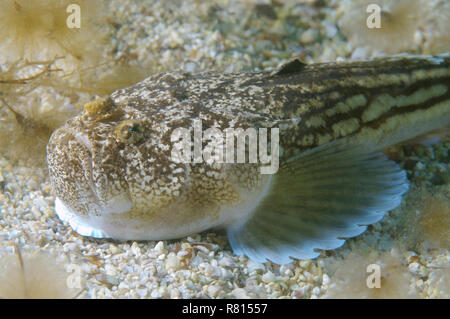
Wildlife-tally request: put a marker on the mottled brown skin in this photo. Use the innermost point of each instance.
(121, 144)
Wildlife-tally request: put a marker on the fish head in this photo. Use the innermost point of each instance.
(114, 174)
(113, 159)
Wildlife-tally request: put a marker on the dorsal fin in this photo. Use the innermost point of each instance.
(293, 66)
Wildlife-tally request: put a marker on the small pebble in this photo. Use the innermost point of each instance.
(268, 277)
(310, 36)
(159, 247)
(173, 262)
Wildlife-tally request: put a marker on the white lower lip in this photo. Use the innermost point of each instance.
(91, 225)
(66, 215)
(84, 140)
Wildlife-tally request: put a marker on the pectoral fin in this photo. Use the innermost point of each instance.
(317, 200)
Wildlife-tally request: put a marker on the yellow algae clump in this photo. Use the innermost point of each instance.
(27, 119)
(46, 29)
(437, 37)
(35, 275)
(383, 26)
(51, 63)
(355, 277)
(435, 219)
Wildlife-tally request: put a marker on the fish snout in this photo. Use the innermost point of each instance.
(78, 182)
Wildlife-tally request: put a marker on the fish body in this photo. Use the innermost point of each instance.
(114, 174)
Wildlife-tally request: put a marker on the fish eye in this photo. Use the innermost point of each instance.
(134, 128)
(129, 132)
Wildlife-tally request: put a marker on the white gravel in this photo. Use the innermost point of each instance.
(222, 36)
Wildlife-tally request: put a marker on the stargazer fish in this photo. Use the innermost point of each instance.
(114, 176)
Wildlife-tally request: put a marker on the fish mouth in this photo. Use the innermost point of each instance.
(87, 163)
(101, 203)
(80, 199)
(74, 155)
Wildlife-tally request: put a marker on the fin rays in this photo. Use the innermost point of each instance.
(317, 200)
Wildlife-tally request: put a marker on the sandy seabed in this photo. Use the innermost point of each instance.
(197, 36)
